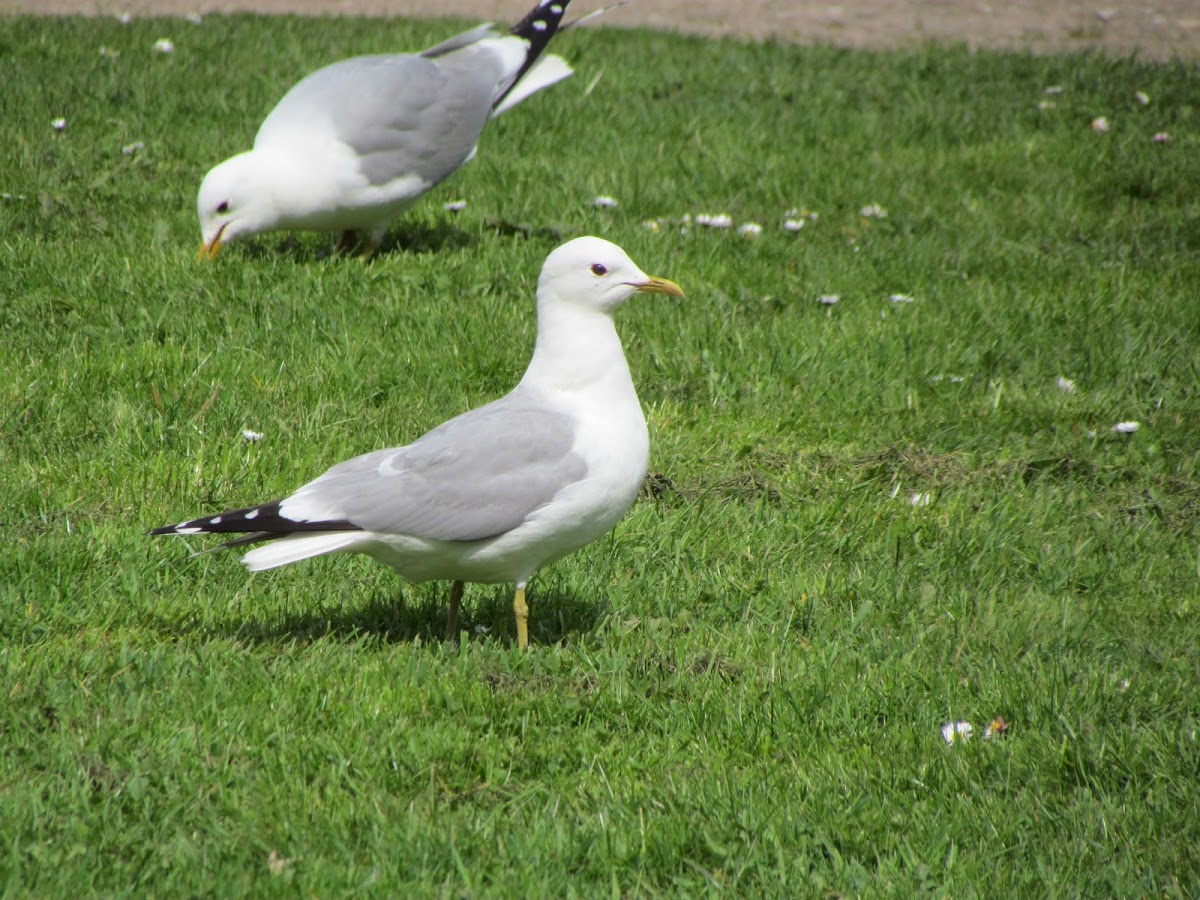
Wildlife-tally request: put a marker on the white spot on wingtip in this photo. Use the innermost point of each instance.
(538, 25)
(253, 514)
(215, 520)
(556, 8)
(187, 529)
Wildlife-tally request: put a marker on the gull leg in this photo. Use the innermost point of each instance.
(522, 611)
(373, 243)
(456, 592)
(346, 242)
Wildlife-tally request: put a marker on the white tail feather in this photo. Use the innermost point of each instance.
(296, 547)
(548, 70)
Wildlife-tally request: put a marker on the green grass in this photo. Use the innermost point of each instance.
(741, 689)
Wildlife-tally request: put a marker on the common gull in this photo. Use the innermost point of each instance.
(496, 493)
(354, 144)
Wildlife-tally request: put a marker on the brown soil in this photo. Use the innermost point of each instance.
(1157, 29)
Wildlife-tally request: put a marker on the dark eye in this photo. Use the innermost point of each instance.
(598, 269)
(223, 206)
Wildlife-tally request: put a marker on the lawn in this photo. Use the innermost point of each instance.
(865, 519)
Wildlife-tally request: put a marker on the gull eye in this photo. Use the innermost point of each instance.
(223, 206)
(599, 269)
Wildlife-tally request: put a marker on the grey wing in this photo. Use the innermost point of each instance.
(400, 114)
(477, 476)
(460, 40)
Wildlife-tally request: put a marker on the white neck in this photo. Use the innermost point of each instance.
(278, 174)
(578, 351)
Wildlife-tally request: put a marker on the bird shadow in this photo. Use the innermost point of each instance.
(391, 619)
(415, 237)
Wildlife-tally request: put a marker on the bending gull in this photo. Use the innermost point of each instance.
(354, 144)
(498, 492)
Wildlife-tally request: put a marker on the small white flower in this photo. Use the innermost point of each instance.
(873, 211)
(900, 298)
(604, 202)
(130, 149)
(1142, 98)
(482, 629)
(455, 206)
(1161, 137)
(125, 18)
(1046, 104)
(652, 225)
(194, 18)
(956, 731)
(828, 299)
(109, 53)
(1100, 125)
(1126, 427)
(1053, 89)
(252, 436)
(750, 230)
(1064, 384)
(793, 224)
(1123, 685)
(720, 220)
(164, 45)
(58, 124)
(920, 499)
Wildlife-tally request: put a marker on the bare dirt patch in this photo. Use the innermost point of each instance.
(1156, 29)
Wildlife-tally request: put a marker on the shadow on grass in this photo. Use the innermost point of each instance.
(486, 614)
(406, 237)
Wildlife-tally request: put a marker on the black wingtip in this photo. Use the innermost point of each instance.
(541, 23)
(263, 520)
(538, 27)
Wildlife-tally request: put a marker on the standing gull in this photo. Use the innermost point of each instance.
(354, 144)
(498, 492)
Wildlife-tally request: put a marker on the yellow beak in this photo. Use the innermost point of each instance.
(213, 247)
(654, 285)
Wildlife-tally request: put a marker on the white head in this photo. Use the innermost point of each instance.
(595, 274)
(235, 200)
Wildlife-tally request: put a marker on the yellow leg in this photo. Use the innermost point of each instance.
(522, 611)
(370, 248)
(456, 592)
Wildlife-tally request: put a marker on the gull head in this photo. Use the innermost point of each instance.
(596, 274)
(234, 202)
